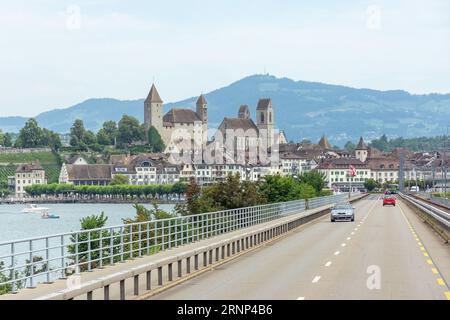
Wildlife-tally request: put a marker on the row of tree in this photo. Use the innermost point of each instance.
(126, 132)
(116, 191)
(233, 193)
(414, 144)
(32, 136)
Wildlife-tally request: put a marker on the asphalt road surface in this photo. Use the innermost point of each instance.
(383, 254)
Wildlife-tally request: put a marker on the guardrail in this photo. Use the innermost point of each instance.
(27, 262)
(200, 258)
(437, 214)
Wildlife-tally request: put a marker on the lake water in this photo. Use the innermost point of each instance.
(17, 225)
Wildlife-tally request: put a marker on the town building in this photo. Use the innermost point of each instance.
(27, 175)
(85, 174)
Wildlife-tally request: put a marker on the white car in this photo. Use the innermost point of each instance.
(343, 212)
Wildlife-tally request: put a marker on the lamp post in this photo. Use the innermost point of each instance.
(445, 163)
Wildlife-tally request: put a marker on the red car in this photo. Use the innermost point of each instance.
(388, 200)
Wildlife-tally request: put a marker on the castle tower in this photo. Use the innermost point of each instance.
(265, 120)
(153, 109)
(361, 150)
(202, 112)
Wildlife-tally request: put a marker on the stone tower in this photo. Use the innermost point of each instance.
(265, 120)
(153, 109)
(361, 150)
(202, 112)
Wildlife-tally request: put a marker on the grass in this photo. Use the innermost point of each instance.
(45, 158)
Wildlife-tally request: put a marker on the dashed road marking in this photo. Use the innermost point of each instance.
(343, 245)
(316, 279)
(348, 238)
(301, 298)
(434, 270)
(328, 264)
(336, 253)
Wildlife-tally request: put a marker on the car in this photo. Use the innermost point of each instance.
(389, 200)
(342, 212)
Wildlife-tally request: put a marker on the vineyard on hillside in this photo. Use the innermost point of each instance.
(51, 172)
(45, 158)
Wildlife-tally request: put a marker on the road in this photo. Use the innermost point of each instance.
(384, 254)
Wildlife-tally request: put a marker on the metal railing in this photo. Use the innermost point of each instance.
(26, 262)
(438, 214)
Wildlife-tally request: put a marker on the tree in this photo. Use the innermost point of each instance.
(2, 138)
(129, 130)
(381, 144)
(82, 243)
(7, 140)
(350, 146)
(371, 184)
(89, 138)
(154, 140)
(51, 139)
(279, 189)
(108, 133)
(30, 136)
(314, 178)
(119, 179)
(77, 132)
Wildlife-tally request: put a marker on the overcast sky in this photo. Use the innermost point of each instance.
(56, 53)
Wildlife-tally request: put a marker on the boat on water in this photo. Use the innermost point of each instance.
(33, 208)
(46, 215)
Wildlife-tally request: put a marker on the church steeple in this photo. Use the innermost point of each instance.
(361, 150)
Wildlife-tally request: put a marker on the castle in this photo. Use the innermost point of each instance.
(187, 123)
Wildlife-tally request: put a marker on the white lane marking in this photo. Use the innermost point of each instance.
(343, 245)
(328, 264)
(316, 279)
(301, 298)
(336, 253)
(348, 238)
(352, 233)
(356, 229)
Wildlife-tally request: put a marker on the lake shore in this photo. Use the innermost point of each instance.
(89, 201)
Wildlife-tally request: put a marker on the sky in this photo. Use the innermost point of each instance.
(56, 53)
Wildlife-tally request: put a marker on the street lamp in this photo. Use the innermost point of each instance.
(445, 163)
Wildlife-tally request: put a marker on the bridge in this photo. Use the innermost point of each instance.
(278, 251)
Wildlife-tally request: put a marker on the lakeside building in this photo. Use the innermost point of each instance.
(27, 175)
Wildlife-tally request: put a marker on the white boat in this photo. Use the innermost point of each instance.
(33, 208)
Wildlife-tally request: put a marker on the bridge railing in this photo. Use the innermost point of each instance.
(437, 214)
(26, 262)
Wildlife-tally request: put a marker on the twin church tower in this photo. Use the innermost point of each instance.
(186, 121)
